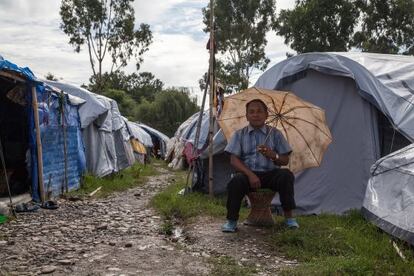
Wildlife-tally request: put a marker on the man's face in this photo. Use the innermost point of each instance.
(256, 114)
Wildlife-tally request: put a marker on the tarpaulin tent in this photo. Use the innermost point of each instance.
(140, 140)
(104, 132)
(389, 197)
(40, 131)
(370, 114)
(159, 140)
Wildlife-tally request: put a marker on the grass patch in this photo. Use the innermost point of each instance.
(341, 245)
(117, 182)
(227, 266)
(174, 206)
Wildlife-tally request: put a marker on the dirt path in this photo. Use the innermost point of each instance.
(120, 235)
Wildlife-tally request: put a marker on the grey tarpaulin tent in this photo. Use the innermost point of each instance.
(102, 129)
(359, 105)
(140, 140)
(389, 198)
(159, 139)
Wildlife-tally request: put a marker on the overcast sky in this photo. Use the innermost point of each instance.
(30, 36)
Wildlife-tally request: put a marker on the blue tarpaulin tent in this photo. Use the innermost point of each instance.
(57, 115)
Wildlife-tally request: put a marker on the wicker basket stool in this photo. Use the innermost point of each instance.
(260, 213)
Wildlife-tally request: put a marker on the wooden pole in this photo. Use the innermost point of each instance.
(39, 145)
(64, 141)
(212, 90)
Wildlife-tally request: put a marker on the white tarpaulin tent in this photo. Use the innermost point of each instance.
(389, 198)
(357, 100)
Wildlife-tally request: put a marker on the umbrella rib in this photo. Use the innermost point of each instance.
(311, 123)
(273, 102)
(307, 144)
(231, 118)
(302, 106)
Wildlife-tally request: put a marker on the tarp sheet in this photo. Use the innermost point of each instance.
(389, 197)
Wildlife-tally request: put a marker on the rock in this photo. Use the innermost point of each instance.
(48, 269)
(114, 269)
(103, 226)
(3, 243)
(65, 262)
(128, 244)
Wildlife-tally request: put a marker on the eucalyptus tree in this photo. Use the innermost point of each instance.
(107, 27)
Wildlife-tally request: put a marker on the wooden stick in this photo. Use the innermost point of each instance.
(64, 143)
(94, 192)
(399, 252)
(39, 145)
(12, 76)
(212, 90)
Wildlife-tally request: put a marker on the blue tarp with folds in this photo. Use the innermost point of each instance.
(52, 135)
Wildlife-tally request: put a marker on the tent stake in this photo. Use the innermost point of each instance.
(38, 145)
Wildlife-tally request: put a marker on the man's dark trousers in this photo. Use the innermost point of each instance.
(278, 180)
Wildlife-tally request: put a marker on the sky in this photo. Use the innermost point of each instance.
(30, 36)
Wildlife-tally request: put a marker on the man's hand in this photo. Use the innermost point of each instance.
(267, 152)
(254, 181)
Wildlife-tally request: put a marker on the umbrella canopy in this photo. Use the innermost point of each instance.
(302, 124)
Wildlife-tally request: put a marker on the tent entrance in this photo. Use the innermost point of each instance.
(390, 140)
(14, 137)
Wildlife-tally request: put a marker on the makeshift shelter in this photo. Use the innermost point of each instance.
(389, 197)
(370, 114)
(104, 132)
(159, 140)
(140, 140)
(40, 135)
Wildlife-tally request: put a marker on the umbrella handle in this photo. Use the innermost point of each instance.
(268, 135)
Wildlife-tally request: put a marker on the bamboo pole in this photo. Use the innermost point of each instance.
(212, 89)
(38, 145)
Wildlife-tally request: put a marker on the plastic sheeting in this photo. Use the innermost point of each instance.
(52, 136)
(158, 136)
(349, 93)
(104, 133)
(91, 110)
(389, 197)
(138, 133)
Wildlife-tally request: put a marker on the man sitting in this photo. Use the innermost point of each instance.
(257, 152)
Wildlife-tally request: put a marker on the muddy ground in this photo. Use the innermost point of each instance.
(120, 235)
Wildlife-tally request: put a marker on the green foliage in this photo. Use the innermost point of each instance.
(318, 25)
(51, 77)
(169, 109)
(138, 86)
(340, 245)
(106, 27)
(387, 27)
(126, 104)
(240, 30)
(121, 181)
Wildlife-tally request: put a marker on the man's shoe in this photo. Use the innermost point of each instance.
(230, 226)
(291, 223)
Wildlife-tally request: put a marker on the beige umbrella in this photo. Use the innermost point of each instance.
(302, 123)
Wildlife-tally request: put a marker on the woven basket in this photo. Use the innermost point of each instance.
(260, 213)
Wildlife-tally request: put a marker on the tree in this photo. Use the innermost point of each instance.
(240, 31)
(51, 77)
(387, 27)
(127, 106)
(138, 86)
(169, 109)
(106, 27)
(318, 25)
